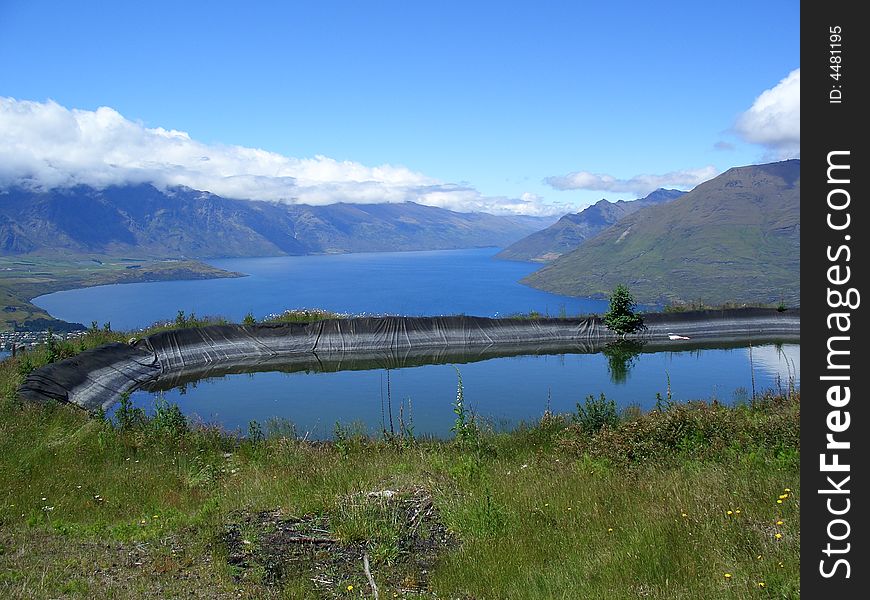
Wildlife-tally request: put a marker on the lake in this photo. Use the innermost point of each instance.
(468, 282)
(502, 390)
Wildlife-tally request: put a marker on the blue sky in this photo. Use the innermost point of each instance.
(474, 104)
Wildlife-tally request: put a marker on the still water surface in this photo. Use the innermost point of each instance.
(502, 390)
(468, 282)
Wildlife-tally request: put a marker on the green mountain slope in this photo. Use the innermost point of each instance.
(571, 230)
(735, 238)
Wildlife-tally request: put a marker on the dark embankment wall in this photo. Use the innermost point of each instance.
(99, 377)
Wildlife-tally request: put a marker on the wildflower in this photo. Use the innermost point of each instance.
(684, 515)
(781, 565)
(729, 512)
(787, 489)
(737, 512)
(761, 584)
(610, 530)
(779, 501)
(783, 496)
(350, 588)
(155, 516)
(546, 504)
(727, 575)
(778, 536)
(780, 522)
(44, 499)
(758, 557)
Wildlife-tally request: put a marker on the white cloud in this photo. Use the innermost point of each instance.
(639, 184)
(45, 145)
(774, 119)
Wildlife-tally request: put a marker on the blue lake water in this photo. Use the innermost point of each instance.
(468, 282)
(503, 391)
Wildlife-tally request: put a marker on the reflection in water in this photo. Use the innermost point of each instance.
(503, 390)
(621, 356)
(778, 361)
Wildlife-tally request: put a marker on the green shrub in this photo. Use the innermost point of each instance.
(596, 413)
(168, 418)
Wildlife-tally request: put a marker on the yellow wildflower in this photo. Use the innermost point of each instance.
(780, 522)
(727, 575)
(778, 536)
(787, 489)
(761, 584)
(729, 512)
(350, 588)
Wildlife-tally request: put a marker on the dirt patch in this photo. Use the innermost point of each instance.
(398, 532)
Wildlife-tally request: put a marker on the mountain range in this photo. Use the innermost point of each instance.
(733, 238)
(181, 222)
(571, 230)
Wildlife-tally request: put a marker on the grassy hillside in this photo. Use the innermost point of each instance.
(572, 230)
(694, 501)
(735, 238)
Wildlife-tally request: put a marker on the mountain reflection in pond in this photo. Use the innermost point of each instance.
(317, 392)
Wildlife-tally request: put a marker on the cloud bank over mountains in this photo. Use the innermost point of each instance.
(44, 145)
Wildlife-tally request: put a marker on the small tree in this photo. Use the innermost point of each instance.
(621, 317)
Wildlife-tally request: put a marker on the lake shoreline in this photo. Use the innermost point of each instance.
(26, 278)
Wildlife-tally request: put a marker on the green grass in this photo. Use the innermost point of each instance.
(555, 509)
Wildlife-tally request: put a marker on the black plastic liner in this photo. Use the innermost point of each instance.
(99, 377)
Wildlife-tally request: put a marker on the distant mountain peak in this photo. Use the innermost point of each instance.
(569, 232)
(181, 221)
(735, 238)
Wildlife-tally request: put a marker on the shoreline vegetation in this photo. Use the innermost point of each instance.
(688, 500)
